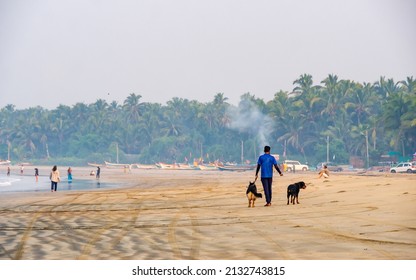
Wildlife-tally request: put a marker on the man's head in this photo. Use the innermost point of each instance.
(267, 149)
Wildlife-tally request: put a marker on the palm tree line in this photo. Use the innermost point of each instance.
(362, 121)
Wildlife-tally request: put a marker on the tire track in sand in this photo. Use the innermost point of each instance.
(25, 237)
(173, 227)
(28, 229)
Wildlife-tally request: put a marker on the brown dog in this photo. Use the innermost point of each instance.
(252, 194)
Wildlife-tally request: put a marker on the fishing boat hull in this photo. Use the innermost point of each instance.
(146, 166)
(176, 166)
(95, 164)
(117, 165)
(208, 167)
(237, 168)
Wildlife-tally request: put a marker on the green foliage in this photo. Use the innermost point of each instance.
(378, 117)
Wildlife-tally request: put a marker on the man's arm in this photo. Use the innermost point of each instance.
(278, 169)
(257, 170)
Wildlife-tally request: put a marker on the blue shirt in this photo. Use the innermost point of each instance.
(266, 162)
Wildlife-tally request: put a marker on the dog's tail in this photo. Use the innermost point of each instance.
(258, 195)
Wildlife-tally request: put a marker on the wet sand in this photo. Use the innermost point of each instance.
(176, 215)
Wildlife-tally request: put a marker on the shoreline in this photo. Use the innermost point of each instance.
(172, 214)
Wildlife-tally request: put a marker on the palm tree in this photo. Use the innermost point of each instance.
(360, 102)
(386, 88)
(171, 126)
(294, 136)
(220, 100)
(409, 84)
(379, 86)
(98, 116)
(221, 110)
(331, 95)
(7, 116)
(393, 110)
(26, 137)
(79, 113)
(303, 84)
(151, 122)
(133, 107)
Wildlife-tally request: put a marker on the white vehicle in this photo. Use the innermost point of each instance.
(290, 164)
(407, 167)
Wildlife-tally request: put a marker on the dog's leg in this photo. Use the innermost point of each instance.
(252, 204)
(249, 203)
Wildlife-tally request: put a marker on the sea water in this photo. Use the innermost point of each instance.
(26, 183)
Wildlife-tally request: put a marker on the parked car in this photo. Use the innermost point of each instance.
(290, 164)
(331, 166)
(408, 167)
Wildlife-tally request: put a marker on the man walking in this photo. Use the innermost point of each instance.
(266, 163)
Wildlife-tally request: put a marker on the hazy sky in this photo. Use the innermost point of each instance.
(67, 51)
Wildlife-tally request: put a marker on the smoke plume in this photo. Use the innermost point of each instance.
(247, 118)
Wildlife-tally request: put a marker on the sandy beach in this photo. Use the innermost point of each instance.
(203, 215)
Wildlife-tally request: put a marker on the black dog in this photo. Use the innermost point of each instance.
(252, 194)
(293, 192)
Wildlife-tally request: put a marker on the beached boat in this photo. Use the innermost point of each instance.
(95, 164)
(236, 167)
(5, 162)
(117, 165)
(207, 167)
(164, 165)
(176, 166)
(184, 166)
(146, 166)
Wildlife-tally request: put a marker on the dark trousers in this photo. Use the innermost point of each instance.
(54, 185)
(267, 187)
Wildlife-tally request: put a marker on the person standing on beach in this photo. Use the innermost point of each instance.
(69, 175)
(36, 174)
(98, 173)
(8, 170)
(55, 178)
(266, 163)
